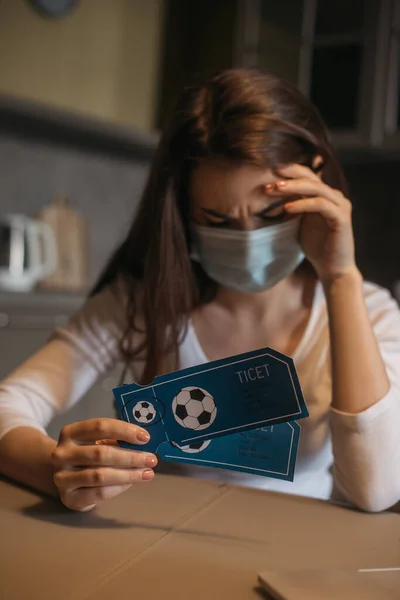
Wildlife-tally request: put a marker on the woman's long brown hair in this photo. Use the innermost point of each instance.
(239, 114)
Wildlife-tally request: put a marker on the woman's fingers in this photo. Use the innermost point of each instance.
(71, 455)
(305, 187)
(332, 214)
(86, 498)
(89, 466)
(297, 171)
(102, 477)
(99, 429)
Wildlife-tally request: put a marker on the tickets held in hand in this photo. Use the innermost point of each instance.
(237, 413)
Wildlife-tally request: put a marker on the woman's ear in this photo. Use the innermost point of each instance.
(317, 165)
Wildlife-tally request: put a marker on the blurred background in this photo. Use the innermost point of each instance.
(84, 90)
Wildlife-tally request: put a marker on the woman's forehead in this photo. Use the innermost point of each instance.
(219, 177)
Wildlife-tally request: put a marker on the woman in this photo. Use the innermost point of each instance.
(243, 240)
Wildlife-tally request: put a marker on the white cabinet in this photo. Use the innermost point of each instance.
(344, 55)
(391, 121)
(347, 61)
(26, 322)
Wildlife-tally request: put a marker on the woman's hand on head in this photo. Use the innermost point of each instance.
(326, 229)
(90, 467)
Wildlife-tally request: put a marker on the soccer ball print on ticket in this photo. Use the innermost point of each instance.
(194, 408)
(270, 451)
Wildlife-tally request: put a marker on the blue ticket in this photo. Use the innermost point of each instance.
(216, 399)
(270, 451)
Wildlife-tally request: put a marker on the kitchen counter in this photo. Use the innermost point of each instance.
(41, 301)
(37, 310)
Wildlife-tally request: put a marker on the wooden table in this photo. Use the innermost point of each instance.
(179, 538)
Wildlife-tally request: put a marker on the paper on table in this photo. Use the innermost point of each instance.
(340, 584)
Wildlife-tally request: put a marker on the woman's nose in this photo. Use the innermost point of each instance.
(246, 224)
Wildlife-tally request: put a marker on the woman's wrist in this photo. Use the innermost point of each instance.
(25, 456)
(349, 282)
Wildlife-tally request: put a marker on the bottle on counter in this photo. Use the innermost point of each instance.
(72, 241)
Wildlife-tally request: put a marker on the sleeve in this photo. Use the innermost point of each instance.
(366, 446)
(59, 374)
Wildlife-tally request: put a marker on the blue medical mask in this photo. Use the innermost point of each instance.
(248, 261)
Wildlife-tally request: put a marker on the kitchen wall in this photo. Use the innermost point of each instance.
(105, 188)
(101, 60)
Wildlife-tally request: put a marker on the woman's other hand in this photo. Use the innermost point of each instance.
(326, 229)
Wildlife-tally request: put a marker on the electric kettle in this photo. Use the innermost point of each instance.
(28, 252)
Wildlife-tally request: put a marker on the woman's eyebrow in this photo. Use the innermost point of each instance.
(272, 206)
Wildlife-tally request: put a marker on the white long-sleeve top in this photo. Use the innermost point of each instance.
(353, 457)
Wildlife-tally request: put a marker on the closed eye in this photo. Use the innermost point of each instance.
(217, 219)
(274, 212)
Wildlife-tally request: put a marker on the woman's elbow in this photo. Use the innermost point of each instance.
(376, 497)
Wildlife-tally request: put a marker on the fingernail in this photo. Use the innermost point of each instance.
(143, 436)
(281, 184)
(269, 187)
(150, 461)
(147, 475)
